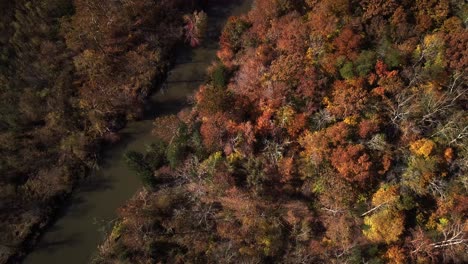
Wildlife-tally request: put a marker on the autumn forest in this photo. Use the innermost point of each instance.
(324, 131)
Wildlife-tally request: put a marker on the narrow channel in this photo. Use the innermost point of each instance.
(74, 237)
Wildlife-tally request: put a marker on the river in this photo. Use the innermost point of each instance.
(74, 237)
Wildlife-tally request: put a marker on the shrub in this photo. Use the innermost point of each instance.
(136, 162)
(365, 62)
(156, 154)
(197, 143)
(347, 70)
(177, 148)
(232, 33)
(219, 76)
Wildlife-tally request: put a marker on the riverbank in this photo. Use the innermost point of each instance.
(32, 207)
(93, 204)
(315, 140)
(146, 206)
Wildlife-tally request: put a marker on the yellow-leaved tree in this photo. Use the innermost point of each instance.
(384, 226)
(386, 223)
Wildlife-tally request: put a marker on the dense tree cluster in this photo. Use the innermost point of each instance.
(330, 131)
(72, 72)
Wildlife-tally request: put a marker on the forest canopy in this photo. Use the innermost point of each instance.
(327, 132)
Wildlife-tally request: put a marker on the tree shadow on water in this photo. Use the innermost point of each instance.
(166, 107)
(96, 184)
(58, 244)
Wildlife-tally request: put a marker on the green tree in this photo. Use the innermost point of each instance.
(136, 162)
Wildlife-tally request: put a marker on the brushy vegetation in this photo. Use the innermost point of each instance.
(72, 72)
